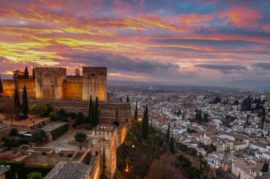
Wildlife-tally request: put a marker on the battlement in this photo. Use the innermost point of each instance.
(51, 69)
(99, 70)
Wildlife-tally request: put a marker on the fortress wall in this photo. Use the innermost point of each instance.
(73, 88)
(108, 112)
(94, 83)
(49, 82)
(9, 87)
(30, 87)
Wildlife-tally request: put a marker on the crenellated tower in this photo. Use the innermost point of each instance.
(94, 83)
(49, 82)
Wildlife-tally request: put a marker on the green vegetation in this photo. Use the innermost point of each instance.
(26, 73)
(79, 119)
(127, 99)
(168, 132)
(152, 157)
(136, 112)
(39, 109)
(93, 112)
(25, 106)
(13, 142)
(172, 147)
(80, 137)
(38, 135)
(34, 175)
(145, 123)
(55, 116)
(17, 102)
(13, 132)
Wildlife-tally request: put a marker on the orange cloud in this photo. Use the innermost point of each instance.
(242, 16)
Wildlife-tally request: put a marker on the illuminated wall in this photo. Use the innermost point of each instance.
(49, 83)
(9, 87)
(52, 83)
(73, 88)
(94, 83)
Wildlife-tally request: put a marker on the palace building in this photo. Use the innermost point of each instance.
(54, 83)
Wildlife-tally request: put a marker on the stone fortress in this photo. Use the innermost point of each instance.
(53, 83)
(50, 85)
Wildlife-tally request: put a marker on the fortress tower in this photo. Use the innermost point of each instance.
(53, 83)
(49, 82)
(94, 83)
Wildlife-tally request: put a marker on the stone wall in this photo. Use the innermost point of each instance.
(108, 112)
(49, 82)
(52, 83)
(94, 83)
(73, 88)
(9, 87)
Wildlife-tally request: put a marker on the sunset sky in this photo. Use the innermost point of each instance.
(185, 42)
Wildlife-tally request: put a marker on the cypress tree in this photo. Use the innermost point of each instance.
(117, 115)
(26, 73)
(1, 87)
(172, 149)
(168, 131)
(96, 112)
(136, 112)
(127, 99)
(145, 124)
(16, 98)
(25, 107)
(265, 167)
(90, 111)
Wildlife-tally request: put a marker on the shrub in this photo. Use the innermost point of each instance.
(34, 175)
(79, 118)
(89, 126)
(54, 116)
(38, 135)
(80, 137)
(13, 132)
(63, 114)
(39, 109)
(11, 142)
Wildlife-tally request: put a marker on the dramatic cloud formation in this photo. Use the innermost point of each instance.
(198, 42)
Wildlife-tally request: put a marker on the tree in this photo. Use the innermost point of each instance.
(25, 106)
(26, 73)
(136, 112)
(172, 149)
(91, 111)
(145, 124)
(79, 119)
(168, 132)
(262, 115)
(1, 87)
(16, 98)
(34, 175)
(127, 99)
(80, 137)
(96, 114)
(38, 135)
(116, 122)
(40, 109)
(265, 167)
(54, 116)
(13, 132)
(63, 114)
